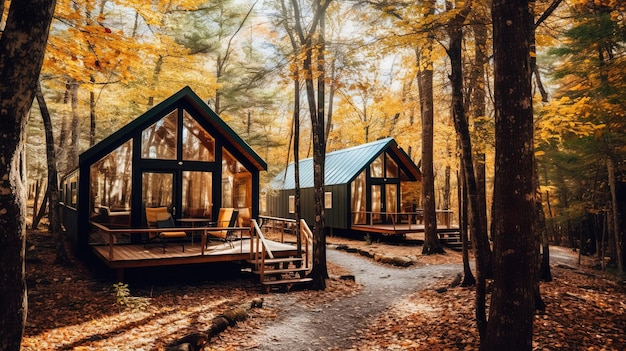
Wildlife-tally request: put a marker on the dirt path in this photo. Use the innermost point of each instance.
(334, 325)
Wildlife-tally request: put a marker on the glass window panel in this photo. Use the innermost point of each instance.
(391, 167)
(391, 201)
(292, 204)
(236, 183)
(159, 140)
(198, 144)
(376, 167)
(376, 204)
(157, 189)
(328, 199)
(197, 194)
(111, 185)
(71, 192)
(357, 188)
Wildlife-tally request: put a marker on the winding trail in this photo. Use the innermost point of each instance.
(333, 326)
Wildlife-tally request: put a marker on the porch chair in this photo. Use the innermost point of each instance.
(159, 217)
(227, 217)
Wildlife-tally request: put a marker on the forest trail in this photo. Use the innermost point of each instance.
(335, 324)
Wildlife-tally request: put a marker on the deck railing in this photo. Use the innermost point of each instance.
(116, 236)
(396, 218)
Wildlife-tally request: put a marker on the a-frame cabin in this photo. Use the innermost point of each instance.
(179, 156)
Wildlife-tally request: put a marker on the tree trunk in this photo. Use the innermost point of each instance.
(319, 273)
(74, 146)
(542, 231)
(42, 210)
(296, 156)
(432, 245)
(614, 215)
(53, 182)
(36, 204)
(62, 145)
(477, 213)
(305, 45)
(468, 277)
(92, 117)
(22, 45)
(512, 307)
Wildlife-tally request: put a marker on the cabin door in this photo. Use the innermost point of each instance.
(157, 190)
(186, 194)
(384, 203)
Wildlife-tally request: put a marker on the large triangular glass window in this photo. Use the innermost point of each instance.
(159, 141)
(198, 144)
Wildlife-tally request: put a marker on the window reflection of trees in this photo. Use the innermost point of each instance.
(376, 167)
(391, 200)
(111, 180)
(236, 183)
(197, 194)
(358, 199)
(159, 140)
(157, 189)
(391, 167)
(198, 144)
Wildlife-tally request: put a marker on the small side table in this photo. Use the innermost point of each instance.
(193, 221)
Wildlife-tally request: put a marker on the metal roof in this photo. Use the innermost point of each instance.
(342, 166)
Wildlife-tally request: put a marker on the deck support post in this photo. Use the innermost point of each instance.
(119, 274)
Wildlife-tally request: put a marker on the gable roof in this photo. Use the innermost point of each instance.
(342, 166)
(200, 109)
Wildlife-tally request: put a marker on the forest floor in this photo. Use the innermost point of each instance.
(74, 307)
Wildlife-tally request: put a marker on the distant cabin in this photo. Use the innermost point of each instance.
(180, 154)
(374, 184)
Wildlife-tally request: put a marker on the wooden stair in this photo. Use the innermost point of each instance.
(282, 272)
(452, 240)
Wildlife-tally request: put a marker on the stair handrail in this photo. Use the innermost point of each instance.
(259, 247)
(308, 236)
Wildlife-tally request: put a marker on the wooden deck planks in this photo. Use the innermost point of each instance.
(128, 256)
(398, 229)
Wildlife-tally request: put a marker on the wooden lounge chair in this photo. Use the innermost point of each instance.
(227, 217)
(159, 217)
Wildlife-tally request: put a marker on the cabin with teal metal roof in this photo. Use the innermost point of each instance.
(373, 184)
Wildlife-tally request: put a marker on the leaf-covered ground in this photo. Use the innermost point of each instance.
(75, 307)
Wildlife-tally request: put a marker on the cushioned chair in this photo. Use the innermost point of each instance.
(159, 217)
(227, 217)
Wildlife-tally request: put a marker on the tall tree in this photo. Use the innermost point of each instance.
(476, 209)
(22, 48)
(307, 39)
(425, 83)
(312, 41)
(53, 181)
(295, 123)
(510, 324)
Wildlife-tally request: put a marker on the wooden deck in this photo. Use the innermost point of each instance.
(133, 256)
(399, 228)
(401, 223)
